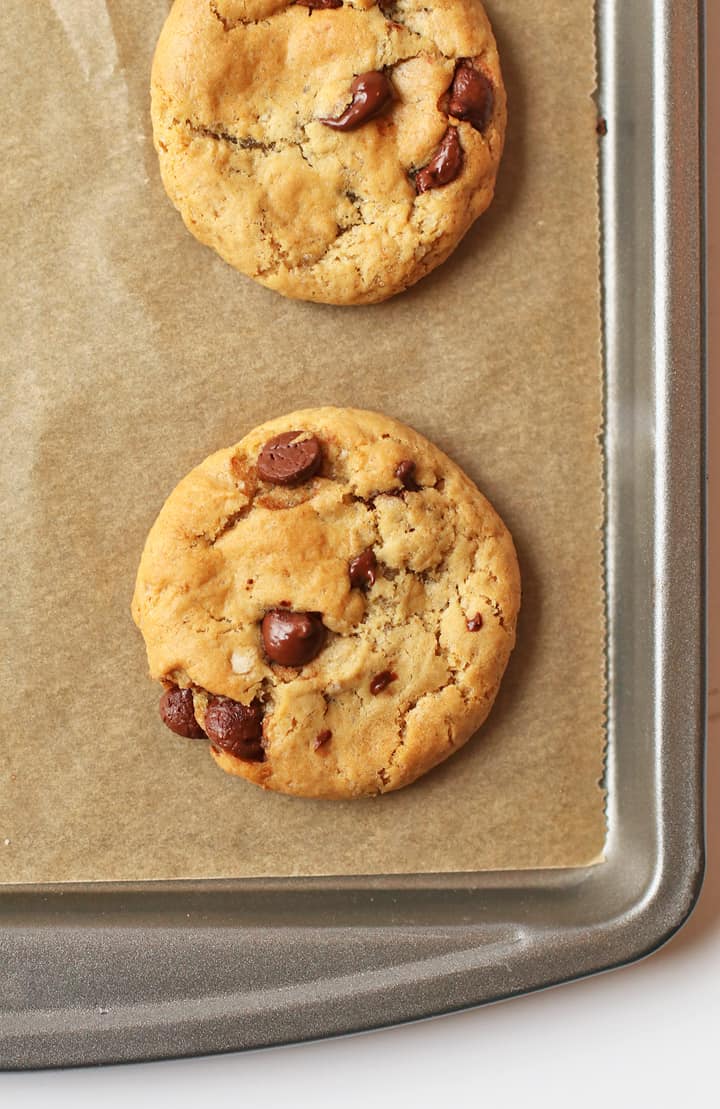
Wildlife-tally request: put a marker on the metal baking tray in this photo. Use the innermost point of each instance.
(105, 973)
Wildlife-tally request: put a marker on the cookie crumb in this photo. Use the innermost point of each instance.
(242, 662)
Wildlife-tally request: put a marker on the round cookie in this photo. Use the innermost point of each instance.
(333, 150)
(331, 601)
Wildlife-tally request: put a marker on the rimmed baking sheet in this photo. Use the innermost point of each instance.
(104, 972)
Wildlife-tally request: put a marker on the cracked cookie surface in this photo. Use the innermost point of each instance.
(242, 95)
(389, 547)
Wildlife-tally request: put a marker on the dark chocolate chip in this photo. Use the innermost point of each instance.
(474, 623)
(370, 93)
(405, 472)
(382, 681)
(316, 5)
(601, 127)
(444, 166)
(178, 714)
(236, 728)
(322, 739)
(471, 96)
(290, 458)
(363, 570)
(292, 638)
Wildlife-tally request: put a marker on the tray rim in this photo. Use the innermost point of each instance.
(459, 944)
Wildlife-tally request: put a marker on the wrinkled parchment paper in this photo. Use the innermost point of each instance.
(132, 352)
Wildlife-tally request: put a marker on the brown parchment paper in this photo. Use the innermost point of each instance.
(131, 352)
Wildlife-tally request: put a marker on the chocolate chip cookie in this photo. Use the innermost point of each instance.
(331, 602)
(333, 150)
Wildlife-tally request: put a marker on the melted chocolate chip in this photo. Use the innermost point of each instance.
(236, 728)
(370, 93)
(405, 472)
(322, 739)
(289, 458)
(474, 623)
(292, 638)
(382, 681)
(471, 96)
(316, 5)
(363, 570)
(178, 714)
(444, 166)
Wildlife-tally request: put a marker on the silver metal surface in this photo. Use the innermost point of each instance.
(105, 973)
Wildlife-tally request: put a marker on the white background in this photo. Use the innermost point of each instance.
(648, 1035)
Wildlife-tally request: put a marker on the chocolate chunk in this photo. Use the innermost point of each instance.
(471, 96)
(382, 681)
(289, 459)
(405, 472)
(292, 638)
(178, 714)
(322, 739)
(601, 127)
(474, 623)
(236, 728)
(363, 570)
(370, 93)
(444, 166)
(316, 5)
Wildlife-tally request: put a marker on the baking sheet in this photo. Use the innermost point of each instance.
(133, 352)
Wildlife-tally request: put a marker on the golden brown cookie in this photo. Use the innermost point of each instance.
(331, 601)
(334, 150)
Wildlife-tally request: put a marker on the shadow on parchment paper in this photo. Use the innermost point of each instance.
(135, 45)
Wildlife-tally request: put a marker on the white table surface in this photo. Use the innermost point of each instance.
(647, 1035)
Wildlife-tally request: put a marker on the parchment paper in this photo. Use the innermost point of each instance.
(132, 352)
